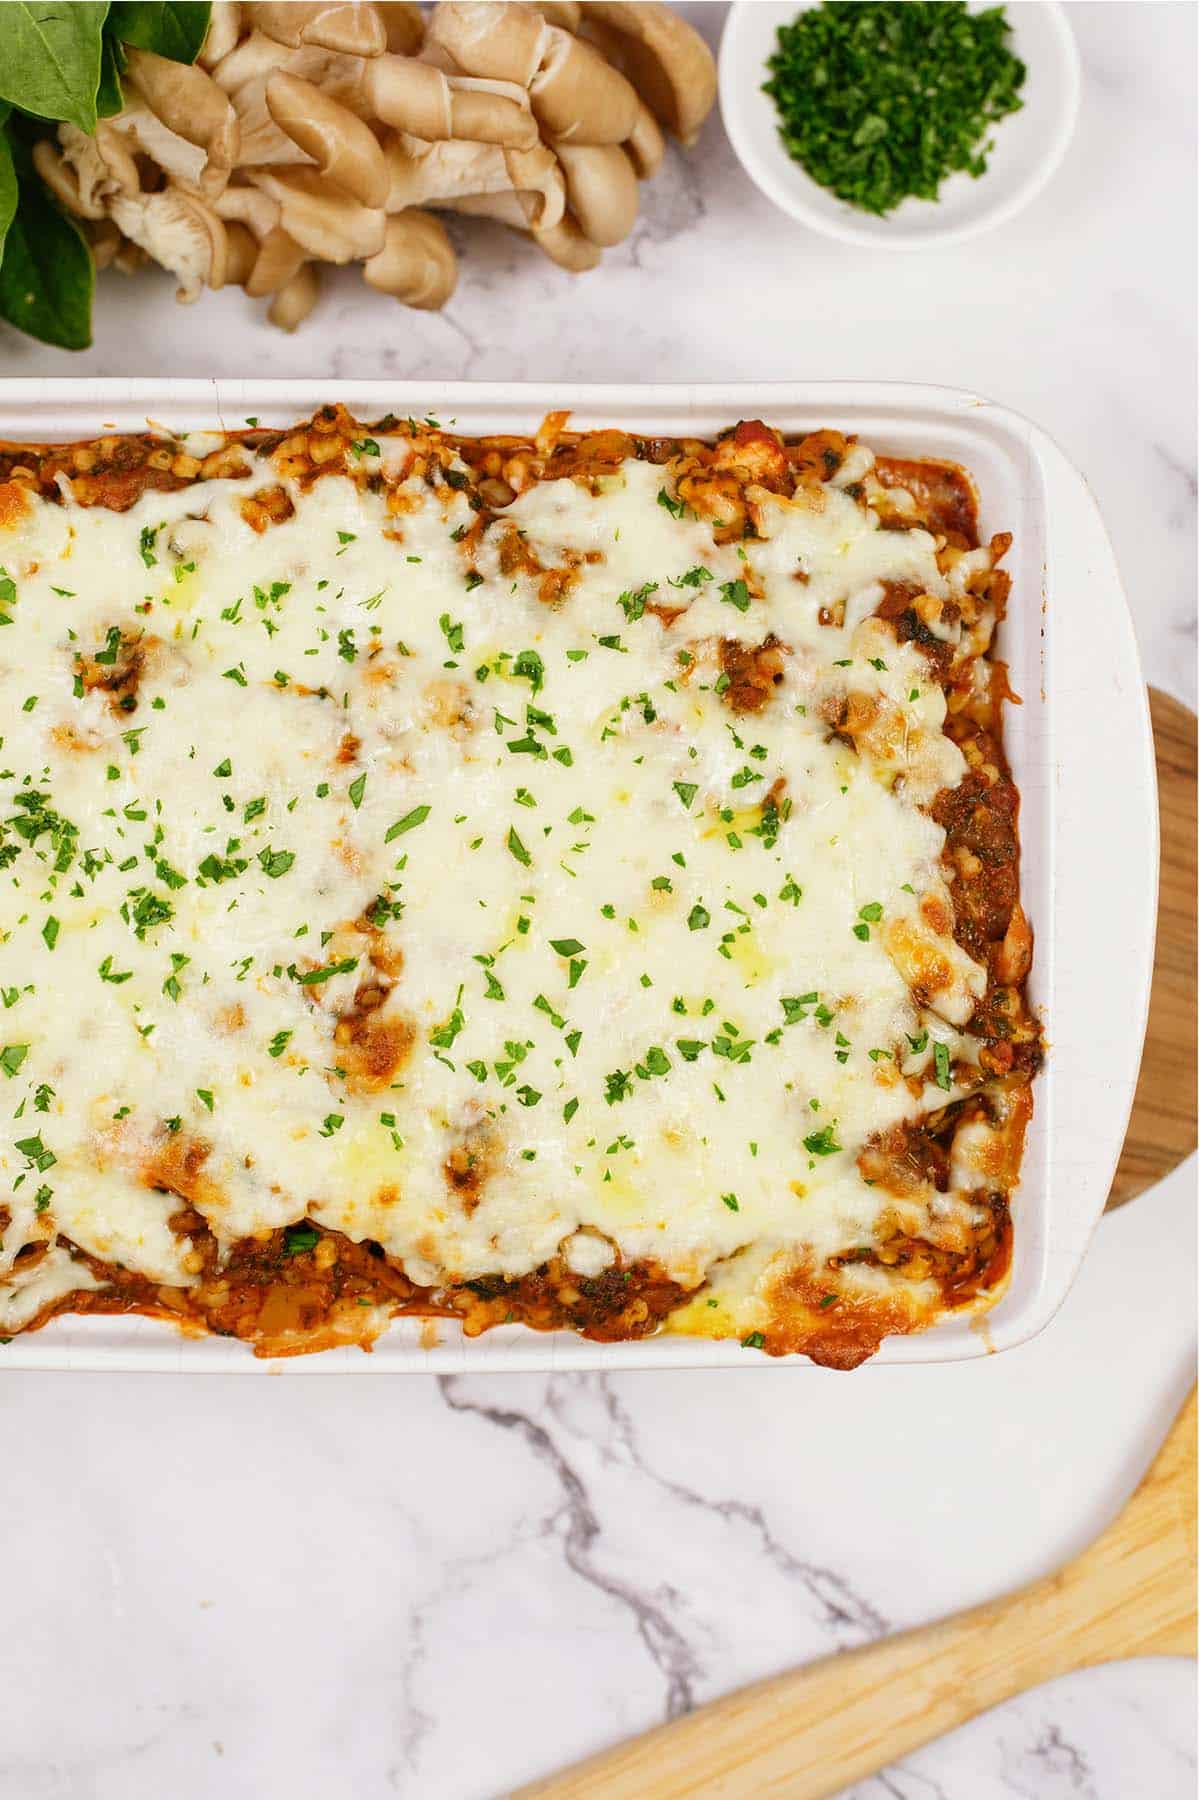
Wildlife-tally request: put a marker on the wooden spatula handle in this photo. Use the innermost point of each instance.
(814, 1731)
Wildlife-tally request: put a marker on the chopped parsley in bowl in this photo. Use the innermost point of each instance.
(854, 118)
(881, 101)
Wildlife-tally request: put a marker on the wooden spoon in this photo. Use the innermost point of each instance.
(814, 1731)
(810, 1733)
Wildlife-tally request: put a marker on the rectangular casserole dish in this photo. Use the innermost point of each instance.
(1081, 754)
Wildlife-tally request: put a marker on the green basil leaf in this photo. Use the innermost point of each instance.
(50, 58)
(175, 30)
(47, 275)
(109, 98)
(8, 183)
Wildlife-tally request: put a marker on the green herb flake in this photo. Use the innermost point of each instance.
(416, 817)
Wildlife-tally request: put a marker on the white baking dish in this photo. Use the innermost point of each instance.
(1081, 749)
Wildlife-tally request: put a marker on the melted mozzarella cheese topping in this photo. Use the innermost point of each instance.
(652, 961)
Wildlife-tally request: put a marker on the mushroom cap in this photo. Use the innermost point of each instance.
(102, 164)
(644, 146)
(499, 39)
(189, 103)
(667, 61)
(577, 96)
(403, 24)
(351, 26)
(565, 13)
(144, 134)
(224, 30)
(417, 263)
(344, 149)
(324, 220)
(279, 258)
(339, 78)
(241, 253)
(566, 245)
(493, 112)
(409, 96)
(180, 231)
(63, 181)
(537, 180)
(601, 191)
(248, 206)
(295, 299)
(251, 60)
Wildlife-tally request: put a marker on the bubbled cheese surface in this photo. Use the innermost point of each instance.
(661, 1017)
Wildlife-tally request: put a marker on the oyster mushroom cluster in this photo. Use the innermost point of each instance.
(325, 133)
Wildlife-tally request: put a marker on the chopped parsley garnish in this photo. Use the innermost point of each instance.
(314, 977)
(452, 631)
(879, 101)
(823, 1142)
(417, 816)
(867, 916)
(633, 602)
(275, 863)
(529, 666)
(618, 1086)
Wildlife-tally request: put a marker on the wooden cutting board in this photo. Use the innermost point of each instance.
(1162, 1127)
(810, 1733)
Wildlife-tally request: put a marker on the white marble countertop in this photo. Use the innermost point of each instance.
(441, 1589)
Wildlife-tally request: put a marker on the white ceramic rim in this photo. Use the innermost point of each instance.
(731, 93)
(1082, 752)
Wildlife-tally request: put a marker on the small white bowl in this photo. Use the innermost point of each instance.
(1028, 145)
